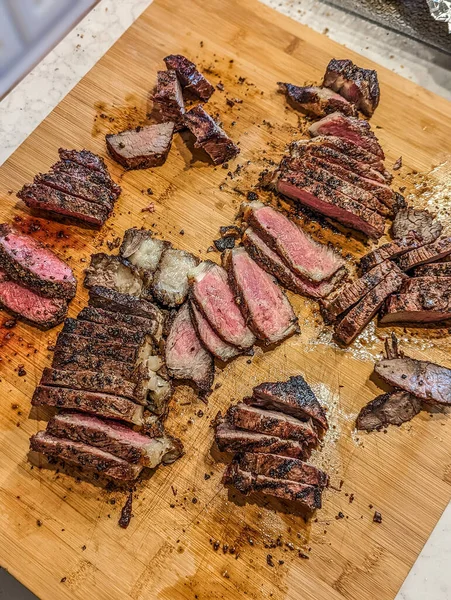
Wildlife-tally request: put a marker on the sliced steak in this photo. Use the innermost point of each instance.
(440, 269)
(105, 333)
(85, 158)
(74, 186)
(266, 308)
(358, 317)
(170, 283)
(209, 136)
(307, 258)
(385, 252)
(115, 438)
(28, 262)
(281, 467)
(293, 397)
(143, 147)
(426, 254)
(351, 128)
(109, 271)
(420, 224)
(186, 358)
(359, 86)
(209, 338)
(168, 104)
(213, 296)
(315, 101)
(190, 78)
(72, 359)
(103, 179)
(388, 409)
(27, 304)
(142, 250)
(102, 297)
(151, 326)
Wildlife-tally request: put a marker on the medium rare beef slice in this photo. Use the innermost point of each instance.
(170, 283)
(211, 292)
(82, 455)
(74, 186)
(110, 272)
(186, 359)
(85, 175)
(168, 104)
(420, 300)
(107, 299)
(307, 258)
(281, 467)
(426, 254)
(315, 101)
(152, 326)
(359, 86)
(421, 224)
(143, 147)
(440, 269)
(388, 409)
(190, 78)
(209, 338)
(358, 317)
(29, 263)
(293, 397)
(266, 308)
(209, 136)
(142, 250)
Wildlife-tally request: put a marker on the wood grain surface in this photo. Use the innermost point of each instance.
(190, 537)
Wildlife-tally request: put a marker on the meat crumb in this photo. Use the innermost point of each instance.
(377, 517)
(150, 208)
(398, 164)
(340, 515)
(269, 560)
(126, 512)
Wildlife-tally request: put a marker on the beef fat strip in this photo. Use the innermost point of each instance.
(140, 249)
(28, 262)
(110, 272)
(209, 338)
(209, 136)
(315, 101)
(281, 467)
(168, 104)
(420, 224)
(143, 147)
(394, 408)
(190, 78)
(426, 254)
(170, 283)
(266, 308)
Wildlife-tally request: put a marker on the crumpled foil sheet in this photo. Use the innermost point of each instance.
(441, 11)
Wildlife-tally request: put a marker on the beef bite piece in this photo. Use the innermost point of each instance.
(281, 467)
(107, 299)
(190, 78)
(359, 86)
(152, 326)
(77, 187)
(170, 282)
(110, 272)
(143, 147)
(394, 408)
(266, 308)
(209, 136)
(314, 100)
(142, 250)
(420, 224)
(168, 103)
(438, 249)
(209, 338)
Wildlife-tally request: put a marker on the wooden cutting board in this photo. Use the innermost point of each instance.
(59, 535)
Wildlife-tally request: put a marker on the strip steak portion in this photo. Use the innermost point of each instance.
(385, 252)
(359, 86)
(209, 136)
(75, 186)
(420, 300)
(143, 147)
(281, 467)
(151, 326)
(102, 297)
(388, 409)
(85, 175)
(190, 78)
(315, 101)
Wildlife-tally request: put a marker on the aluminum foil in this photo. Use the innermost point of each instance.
(441, 11)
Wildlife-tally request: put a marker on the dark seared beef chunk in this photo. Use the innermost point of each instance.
(266, 308)
(358, 317)
(82, 455)
(112, 350)
(246, 482)
(213, 296)
(43, 198)
(85, 158)
(170, 282)
(293, 397)
(351, 128)
(315, 101)
(270, 422)
(105, 333)
(27, 304)
(28, 262)
(142, 250)
(440, 269)
(75, 186)
(103, 179)
(209, 136)
(385, 252)
(352, 293)
(168, 104)
(359, 86)
(426, 254)
(418, 223)
(102, 297)
(152, 326)
(186, 359)
(388, 409)
(143, 147)
(281, 467)
(190, 78)
(109, 271)
(230, 439)
(426, 380)
(117, 439)
(209, 338)
(273, 264)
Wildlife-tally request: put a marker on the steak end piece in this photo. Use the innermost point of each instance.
(170, 282)
(142, 250)
(143, 147)
(109, 271)
(209, 136)
(190, 78)
(394, 408)
(168, 103)
(418, 223)
(315, 101)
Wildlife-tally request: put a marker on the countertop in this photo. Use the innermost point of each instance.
(40, 91)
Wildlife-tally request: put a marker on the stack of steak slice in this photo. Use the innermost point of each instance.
(272, 433)
(79, 186)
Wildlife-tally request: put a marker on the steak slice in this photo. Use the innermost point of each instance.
(270, 422)
(351, 128)
(103, 179)
(112, 350)
(82, 455)
(85, 158)
(117, 439)
(266, 308)
(420, 224)
(143, 147)
(330, 203)
(74, 186)
(293, 397)
(27, 304)
(151, 326)
(385, 252)
(104, 333)
(102, 297)
(281, 467)
(359, 86)
(168, 104)
(315, 101)
(186, 358)
(170, 283)
(72, 359)
(212, 342)
(388, 409)
(441, 269)
(28, 262)
(358, 317)
(142, 250)
(43, 198)
(229, 439)
(213, 296)
(209, 136)
(426, 254)
(110, 272)
(307, 258)
(273, 264)
(190, 78)
(426, 380)
(246, 482)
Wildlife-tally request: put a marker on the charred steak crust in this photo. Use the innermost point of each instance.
(385, 252)
(104, 298)
(438, 249)
(105, 333)
(190, 78)
(151, 326)
(103, 179)
(77, 187)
